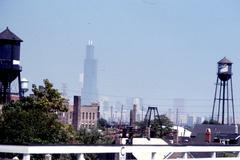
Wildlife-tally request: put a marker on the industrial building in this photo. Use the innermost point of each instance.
(84, 116)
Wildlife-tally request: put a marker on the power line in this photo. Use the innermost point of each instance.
(146, 98)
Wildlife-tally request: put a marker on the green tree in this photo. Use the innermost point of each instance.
(162, 126)
(159, 127)
(102, 124)
(211, 121)
(92, 136)
(33, 120)
(88, 136)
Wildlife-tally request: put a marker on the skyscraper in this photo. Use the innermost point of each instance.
(89, 90)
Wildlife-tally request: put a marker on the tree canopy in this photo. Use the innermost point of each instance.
(102, 124)
(211, 121)
(33, 119)
(161, 126)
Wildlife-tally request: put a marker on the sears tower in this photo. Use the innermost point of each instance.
(89, 90)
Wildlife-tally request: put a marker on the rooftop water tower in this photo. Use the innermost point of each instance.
(223, 98)
(9, 64)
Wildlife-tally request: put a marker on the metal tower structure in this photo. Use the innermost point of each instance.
(152, 111)
(223, 97)
(152, 114)
(9, 64)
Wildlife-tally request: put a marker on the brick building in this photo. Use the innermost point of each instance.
(66, 117)
(89, 115)
(85, 116)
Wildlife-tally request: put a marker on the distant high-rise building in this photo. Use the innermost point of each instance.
(199, 120)
(105, 106)
(190, 121)
(138, 101)
(89, 90)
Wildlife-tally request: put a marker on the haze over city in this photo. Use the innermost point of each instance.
(154, 49)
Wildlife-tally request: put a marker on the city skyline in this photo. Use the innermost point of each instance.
(154, 49)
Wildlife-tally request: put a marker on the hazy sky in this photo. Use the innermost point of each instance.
(154, 49)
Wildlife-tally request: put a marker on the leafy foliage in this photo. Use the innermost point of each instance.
(102, 124)
(87, 136)
(211, 121)
(48, 99)
(92, 136)
(161, 127)
(33, 120)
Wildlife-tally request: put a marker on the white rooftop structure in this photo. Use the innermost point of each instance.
(182, 132)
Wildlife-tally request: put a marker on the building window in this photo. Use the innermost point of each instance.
(90, 115)
(86, 115)
(93, 115)
(83, 115)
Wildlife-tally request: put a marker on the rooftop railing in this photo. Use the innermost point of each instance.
(141, 152)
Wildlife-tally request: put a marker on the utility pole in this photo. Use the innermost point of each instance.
(111, 110)
(177, 117)
(177, 125)
(121, 116)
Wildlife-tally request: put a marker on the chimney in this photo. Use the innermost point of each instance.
(76, 111)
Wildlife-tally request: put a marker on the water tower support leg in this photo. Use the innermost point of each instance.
(26, 157)
(19, 86)
(214, 155)
(48, 157)
(185, 155)
(80, 156)
(153, 155)
(238, 155)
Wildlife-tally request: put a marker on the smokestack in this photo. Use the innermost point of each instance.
(76, 111)
(133, 116)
